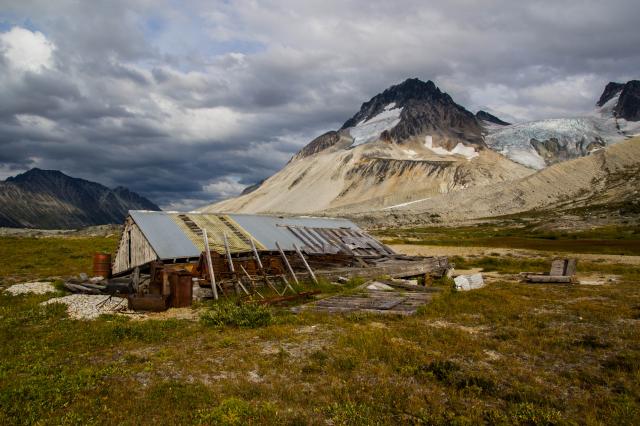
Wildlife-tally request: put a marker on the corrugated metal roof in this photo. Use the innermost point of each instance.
(178, 235)
(166, 238)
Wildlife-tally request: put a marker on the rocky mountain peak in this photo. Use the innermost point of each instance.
(421, 109)
(37, 175)
(411, 90)
(628, 106)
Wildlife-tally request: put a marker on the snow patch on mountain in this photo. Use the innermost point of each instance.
(369, 130)
(467, 152)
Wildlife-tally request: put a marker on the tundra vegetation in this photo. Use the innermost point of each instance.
(510, 353)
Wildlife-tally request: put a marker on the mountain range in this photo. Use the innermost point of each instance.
(413, 142)
(49, 199)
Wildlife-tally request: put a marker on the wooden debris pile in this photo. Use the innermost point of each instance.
(387, 297)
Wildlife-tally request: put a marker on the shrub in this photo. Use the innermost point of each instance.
(245, 315)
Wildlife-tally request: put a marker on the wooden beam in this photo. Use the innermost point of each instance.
(230, 260)
(212, 276)
(286, 262)
(306, 265)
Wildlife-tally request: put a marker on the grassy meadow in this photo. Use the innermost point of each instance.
(510, 353)
(619, 240)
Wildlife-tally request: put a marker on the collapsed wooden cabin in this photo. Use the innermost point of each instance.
(247, 252)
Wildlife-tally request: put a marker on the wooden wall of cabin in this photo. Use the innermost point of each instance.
(133, 249)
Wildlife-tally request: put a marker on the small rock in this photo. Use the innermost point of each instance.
(83, 277)
(379, 286)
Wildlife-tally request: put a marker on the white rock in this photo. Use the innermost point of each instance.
(468, 282)
(379, 286)
(36, 287)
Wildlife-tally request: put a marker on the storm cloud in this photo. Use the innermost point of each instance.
(189, 102)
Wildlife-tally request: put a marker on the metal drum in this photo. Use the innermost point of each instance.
(102, 265)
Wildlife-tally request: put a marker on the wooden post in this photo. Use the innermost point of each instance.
(306, 265)
(286, 262)
(230, 260)
(136, 280)
(212, 276)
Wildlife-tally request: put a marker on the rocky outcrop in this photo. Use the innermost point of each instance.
(490, 118)
(610, 90)
(249, 189)
(628, 106)
(322, 142)
(425, 110)
(49, 199)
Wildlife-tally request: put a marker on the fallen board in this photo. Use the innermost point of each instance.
(395, 268)
(372, 301)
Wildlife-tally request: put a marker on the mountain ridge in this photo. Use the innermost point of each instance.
(50, 199)
(412, 141)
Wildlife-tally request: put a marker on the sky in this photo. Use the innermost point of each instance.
(188, 102)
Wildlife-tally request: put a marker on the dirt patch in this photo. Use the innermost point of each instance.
(420, 250)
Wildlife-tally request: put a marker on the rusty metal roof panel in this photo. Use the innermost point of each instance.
(269, 229)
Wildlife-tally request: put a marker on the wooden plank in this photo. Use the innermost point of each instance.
(557, 267)
(548, 279)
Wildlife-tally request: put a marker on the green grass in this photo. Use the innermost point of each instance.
(509, 353)
(46, 257)
(601, 240)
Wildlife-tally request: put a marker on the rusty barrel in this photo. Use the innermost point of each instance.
(102, 265)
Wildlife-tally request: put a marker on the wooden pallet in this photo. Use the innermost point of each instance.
(372, 301)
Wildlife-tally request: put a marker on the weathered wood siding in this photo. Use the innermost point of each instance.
(141, 250)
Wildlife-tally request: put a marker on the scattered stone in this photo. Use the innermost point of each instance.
(83, 277)
(89, 306)
(36, 287)
(342, 280)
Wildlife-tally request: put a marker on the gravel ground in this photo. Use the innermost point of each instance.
(37, 287)
(89, 306)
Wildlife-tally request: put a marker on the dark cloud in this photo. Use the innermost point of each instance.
(186, 104)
